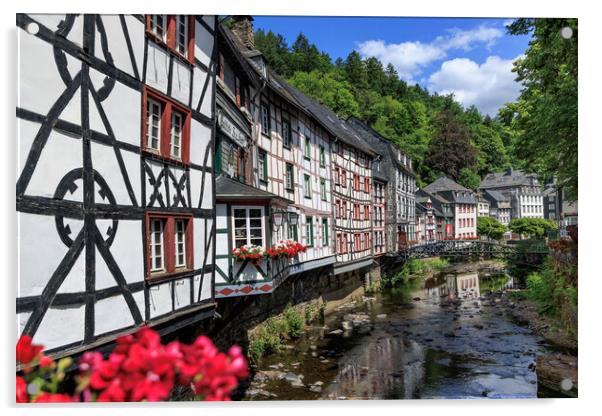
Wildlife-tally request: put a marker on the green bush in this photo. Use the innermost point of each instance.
(294, 322)
(413, 267)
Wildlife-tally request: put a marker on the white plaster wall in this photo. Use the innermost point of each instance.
(206, 292)
(160, 299)
(104, 161)
(113, 313)
(207, 202)
(123, 109)
(181, 293)
(38, 90)
(203, 44)
(60, 327)
(180, 83)
(157, 67)
(210, 20)
(200, 139)
(198, 82)
(117, 42)
(221, 216)
(39, 240)
(127, 250)
(199, 241)
(177, 172)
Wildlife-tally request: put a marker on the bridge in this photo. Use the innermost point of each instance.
(474, 249)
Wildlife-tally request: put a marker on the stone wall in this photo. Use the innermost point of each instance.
(240, 315)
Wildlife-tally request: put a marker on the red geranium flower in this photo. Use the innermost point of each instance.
(46, 397)
(26, 351)
(21, 389)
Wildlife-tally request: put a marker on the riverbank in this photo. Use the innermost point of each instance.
(435, 337)
(557, 370)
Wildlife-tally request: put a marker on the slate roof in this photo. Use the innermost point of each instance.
(443, 183)
(509, 178)
(498, 196)
(372, 136)
(336, 126)
(227, 189)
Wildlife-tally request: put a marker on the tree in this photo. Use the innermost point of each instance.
(545, 115)
(355, 69)
(490, 228)
(450, 149)
(469, 179)
(324, 88)
(275, 50)
(536, 228)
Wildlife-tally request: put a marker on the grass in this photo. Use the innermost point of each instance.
(270, 335)
(413, 268)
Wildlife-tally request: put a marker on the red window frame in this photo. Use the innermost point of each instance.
(169, 254)
(168, 106)
(170, 41)
(343, 178)
(367, 240)
(366, 212)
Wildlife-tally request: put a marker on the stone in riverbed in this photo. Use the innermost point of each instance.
(381, 316)
(416, 299)
(336, 332)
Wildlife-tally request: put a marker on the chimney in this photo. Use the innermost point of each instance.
(242, 27)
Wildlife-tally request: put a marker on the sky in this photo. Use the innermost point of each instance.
(470, 57)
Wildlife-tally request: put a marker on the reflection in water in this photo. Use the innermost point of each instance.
(462, 286)
(386, 368)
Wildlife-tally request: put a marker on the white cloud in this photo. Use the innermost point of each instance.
(487, 86)
(409, 58)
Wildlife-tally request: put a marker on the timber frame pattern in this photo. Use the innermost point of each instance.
(110, 181)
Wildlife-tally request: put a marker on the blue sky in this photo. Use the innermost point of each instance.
(470, 57)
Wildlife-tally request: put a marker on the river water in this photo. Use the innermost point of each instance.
(434, 338)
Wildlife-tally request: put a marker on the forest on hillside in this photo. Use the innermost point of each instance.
(435, 130)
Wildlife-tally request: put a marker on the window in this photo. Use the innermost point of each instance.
(265, 120)
(182, 33)
(344, 178)
(337, 176)
(322, 157)
(180, 243)
(325, 237)
(356, 211)
(309, 231)
(177, 124)
(367, 185)
(248, 226)
(290, 181)
(174, 31)
(262, 165)
(366, 212)
(292, 232)
(166, 127)
(306, 149)
(323, 189)
(153, 124)
(286, 134)
(169, 243)
(307, 186)
(356, 182)
(367, 240)
(158, 26)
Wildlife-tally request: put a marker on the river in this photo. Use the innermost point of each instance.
(439, 337)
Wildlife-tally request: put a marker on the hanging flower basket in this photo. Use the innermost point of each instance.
(286, 248)
(249, 252)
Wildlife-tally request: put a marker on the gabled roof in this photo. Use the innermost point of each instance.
(336, 126)
(372, 136)
(508, 178)
(236, 48)
(228, 189)
(443, 183)
(495, 195)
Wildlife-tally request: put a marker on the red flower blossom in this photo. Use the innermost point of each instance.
(46, 362)
(21, 389)
(26, 351)
(46, 397)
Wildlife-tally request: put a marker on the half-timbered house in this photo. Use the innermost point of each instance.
(288, 186)
(115, 188)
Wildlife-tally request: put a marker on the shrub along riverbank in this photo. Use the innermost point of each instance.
(269, 336)
(413, 268)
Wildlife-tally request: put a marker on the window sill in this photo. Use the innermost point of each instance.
(156, 155)
(162, 277)
(267, 136)
(263, 181)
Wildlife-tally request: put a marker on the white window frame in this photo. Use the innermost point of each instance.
(180, 240)
(265, 119)
(172, 146)
(150, 102)
(307, 186)
(178, 45)
(154, 25)
(154, 243)
(247, 208)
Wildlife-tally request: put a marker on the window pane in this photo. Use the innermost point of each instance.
(153, 124)
(182, 34)
(255, 213)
